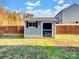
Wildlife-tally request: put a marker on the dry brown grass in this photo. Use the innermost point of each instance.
(66, 40)
(60, 40)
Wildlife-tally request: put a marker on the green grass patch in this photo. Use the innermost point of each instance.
(15, 36)
(38, 52)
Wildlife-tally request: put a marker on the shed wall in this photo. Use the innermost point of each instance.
(32, 32)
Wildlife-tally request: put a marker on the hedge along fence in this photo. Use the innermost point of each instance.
(11, 29)
(67, 28)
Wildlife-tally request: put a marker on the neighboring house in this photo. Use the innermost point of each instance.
(39, 27)
(68, 15)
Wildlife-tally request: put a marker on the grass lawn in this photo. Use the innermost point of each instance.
(66, 40)
(38, 52)
(40, 48)
(60, 40)
(33, 42)
(67, 37)
(14, 36)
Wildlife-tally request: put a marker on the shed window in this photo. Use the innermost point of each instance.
(32, 24)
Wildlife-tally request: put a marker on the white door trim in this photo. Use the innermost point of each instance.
(41, 29)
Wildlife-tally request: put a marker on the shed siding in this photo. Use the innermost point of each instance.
(33, 32)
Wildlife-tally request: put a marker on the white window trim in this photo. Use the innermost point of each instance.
(31, 27)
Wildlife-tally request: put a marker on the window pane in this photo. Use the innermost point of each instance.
(47, 25)
(47, 33)
(32, 24)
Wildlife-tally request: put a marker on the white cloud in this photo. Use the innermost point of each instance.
(18, 10)
(58, 8)
(66, 5)
(29, 8)
(38, 3)
(48, 12)
(33, 4)
(42, 13)
(59, 1)
(60, 5)
(55, 0)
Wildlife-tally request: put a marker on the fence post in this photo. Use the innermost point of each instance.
(67, 28)
(6, 30)
(18, 29)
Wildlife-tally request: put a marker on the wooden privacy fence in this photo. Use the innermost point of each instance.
(60, 29)
(11, 30)
(67, 28)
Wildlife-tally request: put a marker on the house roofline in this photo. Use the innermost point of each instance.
(66, 8)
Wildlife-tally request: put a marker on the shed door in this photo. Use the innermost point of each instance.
(47, 29)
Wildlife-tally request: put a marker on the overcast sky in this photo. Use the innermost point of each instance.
(42, 8)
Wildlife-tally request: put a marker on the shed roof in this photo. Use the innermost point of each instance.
(40, 19)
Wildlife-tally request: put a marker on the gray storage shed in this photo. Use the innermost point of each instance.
(39, 27)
